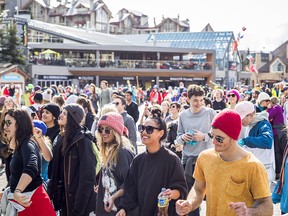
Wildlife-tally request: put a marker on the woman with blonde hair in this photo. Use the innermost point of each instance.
(117, 153)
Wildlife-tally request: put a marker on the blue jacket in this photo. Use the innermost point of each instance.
(283, 197)
(260, 136)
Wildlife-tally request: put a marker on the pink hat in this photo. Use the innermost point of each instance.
(229, 122)
(234, 91)
(113, 120)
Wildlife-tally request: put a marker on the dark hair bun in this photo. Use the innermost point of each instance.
(156, 113)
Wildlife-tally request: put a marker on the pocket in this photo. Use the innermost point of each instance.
(234, 189)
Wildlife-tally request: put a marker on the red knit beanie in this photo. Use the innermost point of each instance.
(113, 120)
(229, 122)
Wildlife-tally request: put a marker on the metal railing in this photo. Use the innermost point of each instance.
(149, 64)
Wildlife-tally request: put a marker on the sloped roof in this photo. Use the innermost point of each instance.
(42, 3)
(176, 20)
(218, 41)
(76, 34)
(207, 28)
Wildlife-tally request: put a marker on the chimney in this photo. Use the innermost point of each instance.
(178, 17)
(154, 21)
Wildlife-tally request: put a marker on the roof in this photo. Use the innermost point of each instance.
(12, 68)
(218, 41)
(76, 34)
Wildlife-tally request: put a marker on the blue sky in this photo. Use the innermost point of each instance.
(266, 21)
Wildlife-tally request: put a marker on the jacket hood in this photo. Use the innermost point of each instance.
(84, 132)
(264, 115)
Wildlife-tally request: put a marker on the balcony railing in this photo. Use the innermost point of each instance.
(148, 64)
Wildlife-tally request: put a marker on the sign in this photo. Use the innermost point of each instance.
(233, 65)
(128, 78)
(187, 78)
(10, 77)
(86, 78)
(55, 77)
(22, 32)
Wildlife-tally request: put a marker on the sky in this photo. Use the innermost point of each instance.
(266, 21)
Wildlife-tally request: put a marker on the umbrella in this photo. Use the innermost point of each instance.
(48, 51)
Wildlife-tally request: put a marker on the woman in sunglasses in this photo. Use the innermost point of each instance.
(152, 170)
(73, 165)
(117, 153)
(25, 166)
(233, 98)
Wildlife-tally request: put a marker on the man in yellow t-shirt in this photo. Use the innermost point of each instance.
(233, 180)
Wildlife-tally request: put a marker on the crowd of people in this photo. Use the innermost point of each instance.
(69, 152)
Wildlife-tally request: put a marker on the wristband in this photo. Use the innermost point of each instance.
(18, 190)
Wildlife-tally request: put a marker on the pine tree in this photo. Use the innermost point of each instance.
(12, 50)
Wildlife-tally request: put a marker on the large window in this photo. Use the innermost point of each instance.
(277, 66)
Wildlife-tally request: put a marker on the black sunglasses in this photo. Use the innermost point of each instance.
(231, 95)
(217, 138)
(7, 123)
(116, 103)
(149, 129)
(106, 130)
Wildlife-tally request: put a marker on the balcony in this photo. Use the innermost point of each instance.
(128, 64)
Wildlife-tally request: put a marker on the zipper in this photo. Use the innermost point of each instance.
(65, 177)
(69, 169)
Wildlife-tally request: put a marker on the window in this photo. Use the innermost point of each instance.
(277, 66)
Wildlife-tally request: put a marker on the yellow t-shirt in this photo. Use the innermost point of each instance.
(244, 180)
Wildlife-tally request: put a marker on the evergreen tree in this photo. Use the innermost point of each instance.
(12, 49)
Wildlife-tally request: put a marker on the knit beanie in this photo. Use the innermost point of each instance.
(236, 92)
(229, 122)
(38, 96)
(76, 111)
(113, 120)
(41, 125)
(53, 108)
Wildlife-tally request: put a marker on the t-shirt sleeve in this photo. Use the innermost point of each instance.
(259, 183)
(198, 171)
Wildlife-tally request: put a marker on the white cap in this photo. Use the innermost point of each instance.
(244, 108)
(263, 96)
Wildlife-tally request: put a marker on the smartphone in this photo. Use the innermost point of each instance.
(33, 115)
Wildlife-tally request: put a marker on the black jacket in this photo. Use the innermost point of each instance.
(79, 175)
(133, 111)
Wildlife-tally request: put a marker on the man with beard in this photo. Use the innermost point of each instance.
(233, 180)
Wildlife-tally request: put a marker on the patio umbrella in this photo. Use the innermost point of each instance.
(48, 51)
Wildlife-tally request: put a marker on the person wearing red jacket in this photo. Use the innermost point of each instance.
(155, 95)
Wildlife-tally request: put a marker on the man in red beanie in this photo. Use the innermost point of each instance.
(233, 180)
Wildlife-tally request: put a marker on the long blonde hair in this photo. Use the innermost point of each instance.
(109, 152)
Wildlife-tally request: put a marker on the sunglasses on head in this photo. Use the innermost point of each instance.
(106, 130)
(231, 95)
(217, 138)
(7, 123)
(149, 129)
(116, 103)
